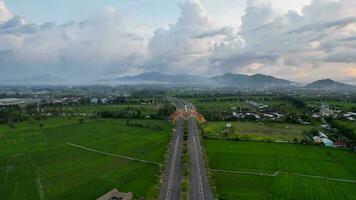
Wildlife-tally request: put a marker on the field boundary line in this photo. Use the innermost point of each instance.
(40, 188)
(276, 173)
(38, 179)
(113, 155)
(246, 173)
(326, 178)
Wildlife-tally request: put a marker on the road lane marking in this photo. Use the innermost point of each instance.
(171, 173)
(201, 191)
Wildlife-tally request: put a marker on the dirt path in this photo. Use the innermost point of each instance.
(279, 172)
(113, 155)
(246, 173)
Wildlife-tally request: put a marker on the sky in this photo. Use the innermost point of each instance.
(300, 40)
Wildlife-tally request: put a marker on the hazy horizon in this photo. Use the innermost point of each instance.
(81, 41)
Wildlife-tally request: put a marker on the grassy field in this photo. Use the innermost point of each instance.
(219, 106)
(257, 131)
(294, 162)
(229, 102)
(38, 163)
(283, 106)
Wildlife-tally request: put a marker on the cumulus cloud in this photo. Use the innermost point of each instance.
(84, 50)
(188, 45)
(300, 40)
(292, 44)
(5, 13)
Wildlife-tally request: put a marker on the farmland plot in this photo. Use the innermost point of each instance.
(38, 162)
(304, 171)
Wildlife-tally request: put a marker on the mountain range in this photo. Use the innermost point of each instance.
(44, 79)
(328, 84)
(225, 80)
(229, 79)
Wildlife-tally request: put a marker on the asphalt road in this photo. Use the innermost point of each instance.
(198, 181)
(170, 189)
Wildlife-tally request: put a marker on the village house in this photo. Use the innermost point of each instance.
(116, 195)
(94, 101)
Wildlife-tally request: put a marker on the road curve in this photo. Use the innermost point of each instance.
(170, 188)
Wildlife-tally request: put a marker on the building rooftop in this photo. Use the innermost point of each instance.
(116, 195)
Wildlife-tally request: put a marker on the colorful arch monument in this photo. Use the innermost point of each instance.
(186, 114)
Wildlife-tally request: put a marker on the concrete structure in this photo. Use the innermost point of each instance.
(116, 195)
(325, 111)
(186, 114)
(94, 101)
(322, 135)
(317, 139)
(327, 142)
(325, 126)
(16, 102)
(104, 100)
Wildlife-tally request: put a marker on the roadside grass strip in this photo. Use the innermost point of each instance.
(113, 155)
(276, 173)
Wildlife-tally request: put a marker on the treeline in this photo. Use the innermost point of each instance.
(212, 94)
(297, 102)
(14, 114)
(344, 130)
(233, 99)
(135, 124)
(163, 112)
(148, 93)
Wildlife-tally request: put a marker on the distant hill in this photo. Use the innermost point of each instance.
(161, 78)
(44, 79)
(230, 80)
(328, 84)
(253, 81)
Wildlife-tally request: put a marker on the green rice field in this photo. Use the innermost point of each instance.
(39, 163)
(257, 131)
(263, 170)
(231, 102)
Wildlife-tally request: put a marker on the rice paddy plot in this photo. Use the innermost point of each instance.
(266, 131)
(38, 163)
(306, 171)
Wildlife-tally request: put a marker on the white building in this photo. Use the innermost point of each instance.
(104, 100)
(325, 111)
(94, 101)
